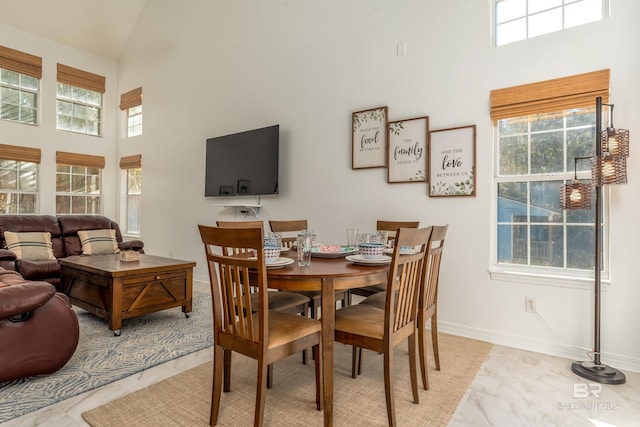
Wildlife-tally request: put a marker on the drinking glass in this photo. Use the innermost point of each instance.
(304, 242)
(352, 237)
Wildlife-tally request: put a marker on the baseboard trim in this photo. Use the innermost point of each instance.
(539, 346)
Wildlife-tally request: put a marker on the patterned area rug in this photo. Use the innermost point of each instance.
(102, 358)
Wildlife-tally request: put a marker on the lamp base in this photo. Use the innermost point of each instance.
(599, 373)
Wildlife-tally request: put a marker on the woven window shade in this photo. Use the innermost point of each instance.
(131, 162)
(131, 99)
(21, 154)
(578, 91)
(74, 159)
(79, 78)
(20, 62)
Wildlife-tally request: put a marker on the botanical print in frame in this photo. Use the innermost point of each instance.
(369, 138)
(408, 144)
(452, 154)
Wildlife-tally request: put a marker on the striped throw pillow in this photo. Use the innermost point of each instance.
(31, 246)
(98, 242)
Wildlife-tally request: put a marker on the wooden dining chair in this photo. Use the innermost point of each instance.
(284, 301)
(427, 304)
(392, 228)
(256, 332)
(378, 330)
(295, 226)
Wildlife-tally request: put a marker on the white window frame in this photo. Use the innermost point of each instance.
(14, 195)
(75, 192)
(560, 8)
(76, 112)
(131, 197)
(22, 105)
(134, 121)
(541, 275)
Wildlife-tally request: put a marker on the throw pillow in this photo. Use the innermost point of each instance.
(98, 242)
(30, 246)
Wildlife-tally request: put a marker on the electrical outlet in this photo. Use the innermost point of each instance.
(530, 305)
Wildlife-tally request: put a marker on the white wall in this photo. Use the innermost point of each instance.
(213, 68)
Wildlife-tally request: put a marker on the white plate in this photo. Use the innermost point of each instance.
(359, 259)
(402, 251)
(280, 262)
(344, 250)
(284, 249)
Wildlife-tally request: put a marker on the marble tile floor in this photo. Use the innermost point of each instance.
(513, 388)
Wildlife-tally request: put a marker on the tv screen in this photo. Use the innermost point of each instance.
(244, 163)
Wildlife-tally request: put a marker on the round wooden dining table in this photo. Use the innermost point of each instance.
(327, 275)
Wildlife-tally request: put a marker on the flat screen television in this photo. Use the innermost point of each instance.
(243, 164)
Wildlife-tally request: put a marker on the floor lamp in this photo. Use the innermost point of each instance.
(609, 166)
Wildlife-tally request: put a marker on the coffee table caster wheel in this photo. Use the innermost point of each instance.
(187, 315)
(116, 333)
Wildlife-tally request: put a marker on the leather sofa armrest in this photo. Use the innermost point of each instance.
(7, 255)
(24, 297)
(132, 245)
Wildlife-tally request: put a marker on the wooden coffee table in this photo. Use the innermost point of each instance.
(114, 290)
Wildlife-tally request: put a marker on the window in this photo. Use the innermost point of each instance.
(540, 129)
(131, 103)
(20, 75)
(535, 157)
(522, 19)
(78, 183)
(79, 101)
(134, 121)
(132, 166)
(18, 179)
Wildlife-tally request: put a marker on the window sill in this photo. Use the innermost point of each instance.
(583, 282)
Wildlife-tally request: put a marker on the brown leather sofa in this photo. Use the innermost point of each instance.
(64, 237)
(38, 329)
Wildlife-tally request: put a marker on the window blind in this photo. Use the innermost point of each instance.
(549, 96)
(20, 62)
(21, 154)
(131, 162)
(74, 159)
(79, 78)
(131, 99)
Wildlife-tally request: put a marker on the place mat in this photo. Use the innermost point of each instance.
(184, 400)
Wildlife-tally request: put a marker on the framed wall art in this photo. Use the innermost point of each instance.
(369, 138)
(452, 165)
(408, 142)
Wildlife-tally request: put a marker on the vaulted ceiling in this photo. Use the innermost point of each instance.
(102, 27)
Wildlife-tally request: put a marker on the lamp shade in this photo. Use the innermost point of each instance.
(615, 141)
(608, 169)
(575, 196)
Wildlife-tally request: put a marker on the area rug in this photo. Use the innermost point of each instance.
(101, 357)
(184, 400)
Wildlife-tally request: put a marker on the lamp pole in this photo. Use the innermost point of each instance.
(595, 370)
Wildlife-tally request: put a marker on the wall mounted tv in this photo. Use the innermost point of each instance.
(243, 164)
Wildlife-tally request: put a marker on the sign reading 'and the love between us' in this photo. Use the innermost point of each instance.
(452, 154)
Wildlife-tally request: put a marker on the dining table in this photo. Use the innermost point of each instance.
(327, 275)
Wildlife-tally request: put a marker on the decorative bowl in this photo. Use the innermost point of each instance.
(371, 250)
(271, 254)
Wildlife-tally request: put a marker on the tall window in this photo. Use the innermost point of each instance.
(79, 101)
(131, 104)
(540, 129)
(78, 183)
(18, 179)
(132, 166)
(522, 19)
(20, 75)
